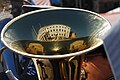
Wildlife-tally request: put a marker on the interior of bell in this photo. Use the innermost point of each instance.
(54, 31)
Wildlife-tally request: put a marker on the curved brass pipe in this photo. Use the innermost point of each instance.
(1, 51)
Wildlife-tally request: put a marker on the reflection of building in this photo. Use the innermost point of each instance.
(55, 31)
(78, 45)
(34, 48)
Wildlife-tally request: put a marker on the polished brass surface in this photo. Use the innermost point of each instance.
(56, 39)
(53, 47)
(59, 69)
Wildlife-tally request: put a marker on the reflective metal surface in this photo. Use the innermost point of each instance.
(56, 39)
(26, 27)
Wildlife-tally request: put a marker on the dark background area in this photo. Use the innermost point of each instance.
(99, 6)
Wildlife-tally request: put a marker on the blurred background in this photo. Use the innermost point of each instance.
(99, 6)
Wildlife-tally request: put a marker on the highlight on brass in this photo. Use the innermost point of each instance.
(34, 48)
